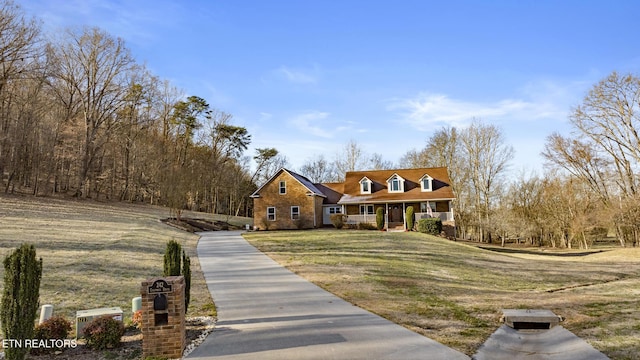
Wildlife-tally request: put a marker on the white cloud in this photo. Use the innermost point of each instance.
(539, 100)
(297, 76)
(310, 123)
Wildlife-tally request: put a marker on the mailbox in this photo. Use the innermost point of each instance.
(163, 317)
(160, 302)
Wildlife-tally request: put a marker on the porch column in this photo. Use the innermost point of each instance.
(386, 215)
(404, 220)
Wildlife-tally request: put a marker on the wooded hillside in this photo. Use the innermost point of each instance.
(79, 116)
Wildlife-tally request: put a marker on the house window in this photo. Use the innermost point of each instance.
(335, 210)
(271, 213)
(283, 187)
(366, 209)
(395, 184)
(429, 206)
(295, 212)
(426, 183)
(365, 186)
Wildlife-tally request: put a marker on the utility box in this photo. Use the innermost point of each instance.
(84, 317)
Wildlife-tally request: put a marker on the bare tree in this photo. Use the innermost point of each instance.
(445, 149)
(92, 68)
(488, 157)
(319, 170)
(20, 53)
(582, 160)
(605, 150)
(351, 158)
(610, 117)
(378, 163)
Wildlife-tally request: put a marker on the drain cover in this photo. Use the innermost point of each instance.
(530, 319)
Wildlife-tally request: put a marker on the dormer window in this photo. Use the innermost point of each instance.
(426, 183)
(395, 184)
(365, 185)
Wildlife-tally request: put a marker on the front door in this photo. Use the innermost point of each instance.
(396, 214)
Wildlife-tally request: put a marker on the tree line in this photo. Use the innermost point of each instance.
(589, 190)
(79, 116)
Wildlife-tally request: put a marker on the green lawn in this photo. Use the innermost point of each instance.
(454, 292)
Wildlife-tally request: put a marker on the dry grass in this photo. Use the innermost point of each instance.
(454, 292)
(95, 254)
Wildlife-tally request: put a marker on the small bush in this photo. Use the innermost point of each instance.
(103, 333)
(300, 223)
(266, 224)
(54, 328)
(366, 226)
(380, 218)
(431, 226)
(136, 320)
(338, 220)
(410, 218)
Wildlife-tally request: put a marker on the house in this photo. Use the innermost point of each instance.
(290, 201)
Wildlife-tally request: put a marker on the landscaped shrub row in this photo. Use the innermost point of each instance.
(366, 226)
(20, 303)
(431, 226)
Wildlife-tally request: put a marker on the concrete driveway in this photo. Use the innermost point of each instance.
(267, 312)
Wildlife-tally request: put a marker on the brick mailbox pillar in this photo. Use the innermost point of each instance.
(163, 323)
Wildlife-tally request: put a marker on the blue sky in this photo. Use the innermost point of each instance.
(305, 77)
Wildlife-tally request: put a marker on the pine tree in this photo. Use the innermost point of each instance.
(20, 298)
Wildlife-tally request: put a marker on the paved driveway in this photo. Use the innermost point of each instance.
(267, 312)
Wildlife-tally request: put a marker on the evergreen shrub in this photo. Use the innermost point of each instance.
(431, 226)
(176, 263)
(380, 218)
(410, 218)
(20, 298)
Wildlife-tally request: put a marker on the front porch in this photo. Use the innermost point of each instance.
(394, 213)
(371, 218)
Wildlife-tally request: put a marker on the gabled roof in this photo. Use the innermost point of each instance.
(393, 175)
(301, 179)
(441, 185)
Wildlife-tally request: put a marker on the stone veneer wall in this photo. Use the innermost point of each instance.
(166, 340)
